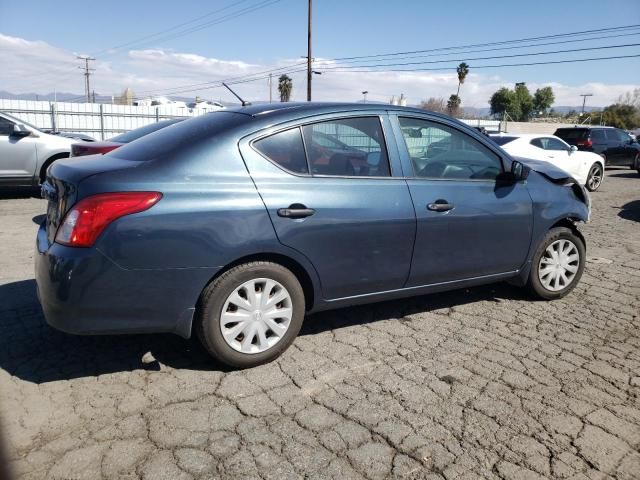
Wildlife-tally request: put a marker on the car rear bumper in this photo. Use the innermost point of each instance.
(83, 292)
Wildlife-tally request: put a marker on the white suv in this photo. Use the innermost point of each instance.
(26, 152)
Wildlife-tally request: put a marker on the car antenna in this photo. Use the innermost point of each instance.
(244, 104)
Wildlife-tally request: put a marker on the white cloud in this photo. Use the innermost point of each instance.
(38, 67)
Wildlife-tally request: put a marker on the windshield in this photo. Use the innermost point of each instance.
(142, 131)
(503, 140)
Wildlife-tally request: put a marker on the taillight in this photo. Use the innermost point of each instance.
(90, 216)
(79, 150)
(585, 143)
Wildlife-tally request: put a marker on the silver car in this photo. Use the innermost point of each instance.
(26, 152)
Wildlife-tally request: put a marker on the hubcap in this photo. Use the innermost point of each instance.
(595, 178)
(256, 315)
(559, 265)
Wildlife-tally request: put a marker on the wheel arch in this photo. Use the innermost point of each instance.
(289, 263)
(570, 223)
(48, 162)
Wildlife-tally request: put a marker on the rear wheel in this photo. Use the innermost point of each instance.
(557, 264)
(595, 177)
(251, 314)
(636, 162)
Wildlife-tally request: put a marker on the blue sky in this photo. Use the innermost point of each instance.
(276, 34)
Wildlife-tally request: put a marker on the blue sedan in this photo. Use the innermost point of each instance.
(238, 223)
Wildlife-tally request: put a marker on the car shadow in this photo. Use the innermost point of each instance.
(630, 211)
(37, 353)
(631, 174)
(14, 193)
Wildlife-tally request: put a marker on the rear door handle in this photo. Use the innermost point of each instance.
(296, 210)
(440, 206)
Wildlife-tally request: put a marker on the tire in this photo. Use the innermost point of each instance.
(595, 177)
(556, 238)
(230, 294)
(636, 162)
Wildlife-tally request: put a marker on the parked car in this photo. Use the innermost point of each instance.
(614, 145)
(586, 167)
(84, 148)
(26, 152)
(219, 225)
(74, 135)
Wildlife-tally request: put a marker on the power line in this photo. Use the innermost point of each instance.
(175, 27)
(195, 28)
(551, 62)
(519, 40)
(461, 59)
(168, 91)
(408, 57)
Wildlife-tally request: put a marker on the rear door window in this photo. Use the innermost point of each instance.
(347, 147)
(285, 149)
(612, 136)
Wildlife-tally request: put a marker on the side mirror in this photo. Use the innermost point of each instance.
(20, 130)
(572, 149)
(519, 171)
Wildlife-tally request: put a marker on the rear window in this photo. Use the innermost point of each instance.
(285, 149)
(503, 140)
(572, 133)
(180, 140)
(142, 131)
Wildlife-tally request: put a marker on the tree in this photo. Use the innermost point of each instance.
(619, 115)
(630, 98)
(434, 104)
(503, 101)
(285, 87)
(543, 99)
(463, 71)
(525, 102)
(453, 105)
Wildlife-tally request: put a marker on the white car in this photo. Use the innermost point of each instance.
(26, 152)
(586, 167)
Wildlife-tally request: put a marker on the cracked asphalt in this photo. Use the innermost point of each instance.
(478, 383)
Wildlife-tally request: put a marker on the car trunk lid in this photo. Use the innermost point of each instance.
(60, 188)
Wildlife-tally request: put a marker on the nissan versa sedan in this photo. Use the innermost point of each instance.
(231, 225)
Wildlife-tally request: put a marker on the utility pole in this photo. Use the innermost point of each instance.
(364, 94)
(309, 53)
(270, 86)
(584, 100)
(87, 72)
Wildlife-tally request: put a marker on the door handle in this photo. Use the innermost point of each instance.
(440, 205)
(296, 210)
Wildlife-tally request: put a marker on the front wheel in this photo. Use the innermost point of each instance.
(636, 162)
(595, 177)
(557, 264)
(250, 314)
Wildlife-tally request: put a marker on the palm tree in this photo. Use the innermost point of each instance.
(285, 86)
(463, 71)
(453, 105)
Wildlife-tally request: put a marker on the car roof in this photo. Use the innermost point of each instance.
(310, 108)
(525, 135)
(583, 127)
